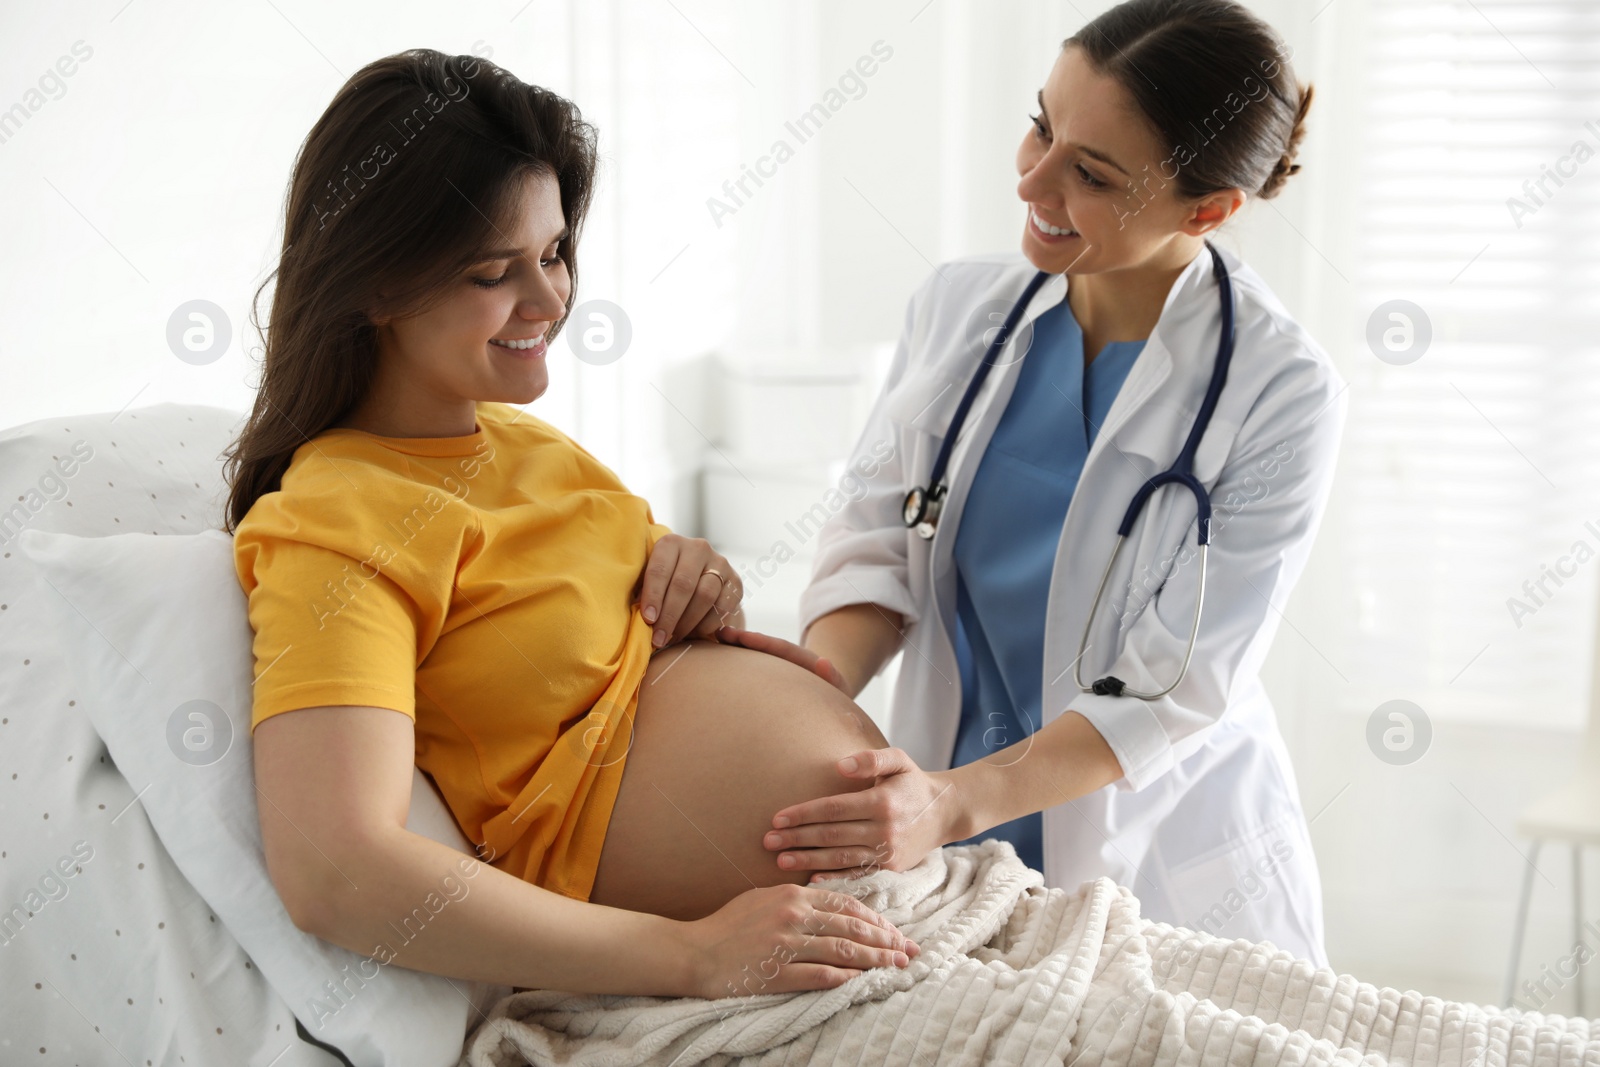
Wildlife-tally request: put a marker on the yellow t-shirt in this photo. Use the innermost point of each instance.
(482, 585)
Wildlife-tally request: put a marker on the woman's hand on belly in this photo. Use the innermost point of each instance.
(784, 938)
(906, 814)
(681, 596)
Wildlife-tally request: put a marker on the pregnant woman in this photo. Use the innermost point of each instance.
(437, 578)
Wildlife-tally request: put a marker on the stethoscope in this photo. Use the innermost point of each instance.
(923, 505)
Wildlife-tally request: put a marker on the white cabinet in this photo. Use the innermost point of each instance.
(788, 422)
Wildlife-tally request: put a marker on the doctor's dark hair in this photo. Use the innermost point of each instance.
(409, 177)
(1215, 82)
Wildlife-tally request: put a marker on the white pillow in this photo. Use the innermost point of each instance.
(158, 631)
(119, 960)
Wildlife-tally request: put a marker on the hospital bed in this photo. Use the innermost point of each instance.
(137, 923)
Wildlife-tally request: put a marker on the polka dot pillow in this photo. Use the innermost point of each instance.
(136, 924)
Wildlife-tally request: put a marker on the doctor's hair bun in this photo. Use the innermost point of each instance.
(1215, 83)
(1286, 165)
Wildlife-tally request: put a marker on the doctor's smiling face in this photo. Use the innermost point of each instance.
(1096, 179)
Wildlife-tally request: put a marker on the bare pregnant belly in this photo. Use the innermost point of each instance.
(723, 737)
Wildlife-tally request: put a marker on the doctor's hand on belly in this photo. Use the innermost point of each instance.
(908, 812)
(892, 825)
(688, 590)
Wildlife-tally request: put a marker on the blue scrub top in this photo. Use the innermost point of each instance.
(1005, 548)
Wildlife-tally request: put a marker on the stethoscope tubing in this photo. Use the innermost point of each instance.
(922, 506)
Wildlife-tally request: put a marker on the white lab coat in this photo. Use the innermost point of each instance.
(1206, 826)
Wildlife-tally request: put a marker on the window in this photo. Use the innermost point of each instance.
(1470, 478)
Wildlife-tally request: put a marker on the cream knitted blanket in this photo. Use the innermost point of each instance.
(1013, 973)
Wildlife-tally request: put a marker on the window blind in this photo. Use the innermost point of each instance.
(1471, 538)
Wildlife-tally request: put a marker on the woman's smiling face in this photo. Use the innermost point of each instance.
(453, 354)
(1091, 163)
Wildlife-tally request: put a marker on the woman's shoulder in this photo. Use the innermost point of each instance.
(332, 465)
(337, 482)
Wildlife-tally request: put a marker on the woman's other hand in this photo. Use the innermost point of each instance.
(680, 599)
(788, 650)
(785, 938)
(906, 814)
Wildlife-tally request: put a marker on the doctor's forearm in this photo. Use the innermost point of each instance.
(1063, 761)
(858, 639)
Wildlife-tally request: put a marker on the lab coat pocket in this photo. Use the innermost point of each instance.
(1160, 429)
(1264, 888)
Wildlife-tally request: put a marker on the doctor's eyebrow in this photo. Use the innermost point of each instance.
(512, 253)
(1093, 153)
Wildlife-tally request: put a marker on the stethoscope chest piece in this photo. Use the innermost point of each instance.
(921, 510)
(923, 504)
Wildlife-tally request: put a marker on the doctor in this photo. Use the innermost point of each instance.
(1185, 794)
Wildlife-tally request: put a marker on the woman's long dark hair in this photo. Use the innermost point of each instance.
(1186, 63)
(411, 174)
